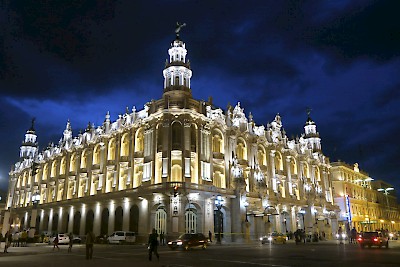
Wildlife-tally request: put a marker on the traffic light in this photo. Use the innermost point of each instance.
(176, 193)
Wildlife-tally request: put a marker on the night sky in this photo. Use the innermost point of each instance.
(76, 60)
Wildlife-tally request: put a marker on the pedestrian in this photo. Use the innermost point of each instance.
(340, 232)
(7, 241)
(89, 244)
(153, 244)
(209, 236)
(55, 242)
(162, 238)
(71, 241)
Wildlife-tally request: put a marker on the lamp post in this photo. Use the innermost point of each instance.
(268, 211)
(32, 223)
(385, 191)
(218, 204)
(364, 184)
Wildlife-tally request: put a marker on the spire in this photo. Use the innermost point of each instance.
(177, 72)
(32, 129)
(29, 147)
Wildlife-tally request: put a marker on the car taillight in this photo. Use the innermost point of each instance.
(359, 239)
(375, 239)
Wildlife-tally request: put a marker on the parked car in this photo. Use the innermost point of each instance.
(373, 239)
(122, 237)
(62, 239)
(187, 241)
(76, 239)
(275, 238)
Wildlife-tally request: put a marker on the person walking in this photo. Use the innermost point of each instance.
(89, 244)
(7, 241)
(162, 243)
(71, 242)
(55, 242)
(153, 244)
(340, 233)
(210, 236)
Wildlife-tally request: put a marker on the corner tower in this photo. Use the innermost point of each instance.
(29, 147)
(311, 134)
(177, 72)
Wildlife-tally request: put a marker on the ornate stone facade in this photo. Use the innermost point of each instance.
(166, 165)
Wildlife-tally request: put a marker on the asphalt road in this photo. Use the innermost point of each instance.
(232, 255)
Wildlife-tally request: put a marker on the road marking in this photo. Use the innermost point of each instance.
(249, 263)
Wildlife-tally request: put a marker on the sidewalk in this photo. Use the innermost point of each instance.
(30, 249)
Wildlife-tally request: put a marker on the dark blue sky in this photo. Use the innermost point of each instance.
(76, 60)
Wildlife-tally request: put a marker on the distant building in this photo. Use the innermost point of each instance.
(362, 205)
(178, 165)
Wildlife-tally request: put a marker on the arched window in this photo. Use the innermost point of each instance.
(261, 158)
(125, 145)
(176, 136)
(53, 172)
(193, 138)
(45, 171)
(84, 159)
(72, 165)
(118, 219)
(96, 155)
(139, 141)
(218, 142)
(278, 162)
(241, 150)
(63, 165)
(191, 219)
(160, 137)
(161, 220)
(111, 150)
(293, 166)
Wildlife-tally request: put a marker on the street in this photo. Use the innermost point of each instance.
(327, 253)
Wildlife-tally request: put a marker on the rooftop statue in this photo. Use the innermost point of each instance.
(178, 28)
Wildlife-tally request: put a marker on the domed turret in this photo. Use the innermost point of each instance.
(177, 72)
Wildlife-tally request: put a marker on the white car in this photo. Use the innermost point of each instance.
(121, 237)
(62, 239)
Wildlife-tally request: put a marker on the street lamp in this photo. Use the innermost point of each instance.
(218, 204)
(270, 210)
(32, 223)
(364, 184)
(386, 192)
(35, 199)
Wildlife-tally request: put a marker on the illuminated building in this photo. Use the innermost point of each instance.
(165, 166)
(362, 205)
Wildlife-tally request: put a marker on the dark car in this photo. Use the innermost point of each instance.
(373, 239)
(187, 241)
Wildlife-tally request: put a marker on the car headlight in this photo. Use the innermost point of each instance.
(270, 238)
(261, 238)
(337, 235)
(343, 235)
(391, 235)
(170, 243)
(179, 243)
